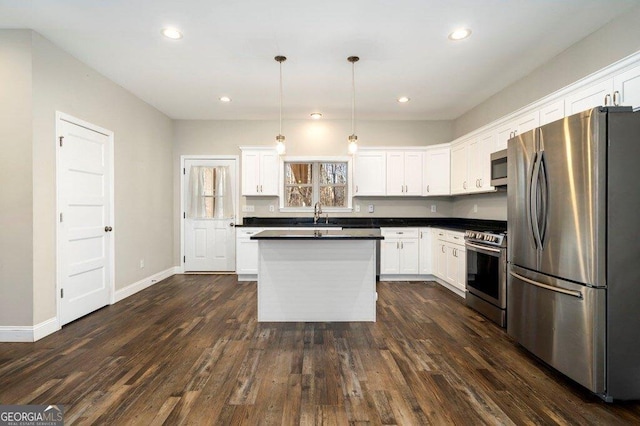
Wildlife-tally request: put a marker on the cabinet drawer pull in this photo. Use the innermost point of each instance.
(607, 99)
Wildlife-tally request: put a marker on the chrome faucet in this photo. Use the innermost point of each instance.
(317, 211)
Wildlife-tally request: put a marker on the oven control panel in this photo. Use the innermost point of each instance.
(486, 238)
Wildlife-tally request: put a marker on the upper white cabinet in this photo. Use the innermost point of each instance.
(436, 171)
(471, 164)
(459, 160)
(626, 88)
(592, 96)
(260, 171)
(552, 112)
(518, 125)
(404, 173)
(370, 172)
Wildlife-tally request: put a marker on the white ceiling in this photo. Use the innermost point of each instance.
(229, 45)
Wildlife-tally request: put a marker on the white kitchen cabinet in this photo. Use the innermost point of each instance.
(471, 164)
(399, 251)
(370, 172)
(425, 250)
(552, 112)
(451, 260)
(260, 171)
(589, 97)
(436, 171)
(404, 173)
(246, 253)
(459, 160)
(627, 86)
(518, 125)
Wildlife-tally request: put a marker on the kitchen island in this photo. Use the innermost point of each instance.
(317, 275)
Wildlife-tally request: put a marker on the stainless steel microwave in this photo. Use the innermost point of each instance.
(499, 168)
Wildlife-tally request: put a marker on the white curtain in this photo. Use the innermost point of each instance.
(209, 194)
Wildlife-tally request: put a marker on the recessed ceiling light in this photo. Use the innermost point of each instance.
(403, 99)
(225, 99)
(460, 34)
(172, 33)
(316, 115)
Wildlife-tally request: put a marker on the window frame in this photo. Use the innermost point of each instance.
(316, 184)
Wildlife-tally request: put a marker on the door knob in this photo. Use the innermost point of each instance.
(232, 224)
(108, 229)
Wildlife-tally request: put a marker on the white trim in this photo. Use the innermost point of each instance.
(132, 289)
(407, 277)
(46, 328)
(236, 158)
(61, 116)
(29, 333)
(450, 287)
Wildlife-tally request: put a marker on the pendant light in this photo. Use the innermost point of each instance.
(280, 147)
(353, 139)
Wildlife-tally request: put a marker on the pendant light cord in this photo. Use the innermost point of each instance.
(280, 98)
(353, 98)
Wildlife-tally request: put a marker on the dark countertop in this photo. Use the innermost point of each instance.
(334, 234)
(459, 224)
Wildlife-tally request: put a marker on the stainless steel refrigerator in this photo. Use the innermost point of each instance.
(573, 287)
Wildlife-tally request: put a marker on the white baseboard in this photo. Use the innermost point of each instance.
(29, 333)
(247, 277)
(406, 277)
(131, 289)
(450, 287)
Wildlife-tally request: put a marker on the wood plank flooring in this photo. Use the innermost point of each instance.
(189, 351)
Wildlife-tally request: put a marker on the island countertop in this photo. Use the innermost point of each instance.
(333, 234)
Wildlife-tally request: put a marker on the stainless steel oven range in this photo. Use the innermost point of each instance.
(486, 281)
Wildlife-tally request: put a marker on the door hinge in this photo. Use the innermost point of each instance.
(61, 218)
(184, 259)
(60, 139)
(62, 293)
(184, 215)
(184, 171)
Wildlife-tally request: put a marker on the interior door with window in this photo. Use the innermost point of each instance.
(209, 187)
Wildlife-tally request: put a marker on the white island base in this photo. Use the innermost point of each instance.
(317, 280)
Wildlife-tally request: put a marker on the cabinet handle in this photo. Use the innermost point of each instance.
(397, 245)
(616, 98)
(356, 188)
(257, 188)
(607, 99)
(480, 180)
(442, 248)
(420, 234)
(464, 185)
(406, 188)
(427, 188)
(260, 188)
(401, 245)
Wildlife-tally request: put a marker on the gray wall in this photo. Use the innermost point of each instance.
(16, 210)
(43, 79)
(616, 40)
(307, 137)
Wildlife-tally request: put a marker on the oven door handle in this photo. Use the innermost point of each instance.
(483, 247)
(573, 293)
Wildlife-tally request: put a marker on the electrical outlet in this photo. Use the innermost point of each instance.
(272, 208)
(433, 208)
(141, 263)
(248, 208)
(475, 208)
(357, 208)
(370, 208)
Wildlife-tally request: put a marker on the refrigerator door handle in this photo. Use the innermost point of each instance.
(573, 293)
(533, 201)
(544, 200)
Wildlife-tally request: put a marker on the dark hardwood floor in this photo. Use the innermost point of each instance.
(189, 350)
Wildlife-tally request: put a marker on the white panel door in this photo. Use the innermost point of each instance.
(269, 167)
(390, 256)
(395, 173)
(459, 158)
(437, 172)
(426, 252)
(209, 215)
(85, 222)
(370, 171)
(409, 256)
(250, 172)
(413, 173)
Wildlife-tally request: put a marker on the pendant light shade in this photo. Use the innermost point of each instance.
(280, 146)
(353, 139)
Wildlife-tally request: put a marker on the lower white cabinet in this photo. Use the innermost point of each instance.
(246, 253)
(425, 262)
(450, 259)
(399, 251)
